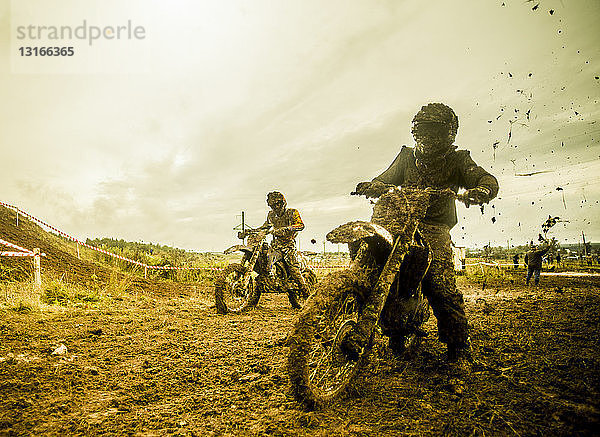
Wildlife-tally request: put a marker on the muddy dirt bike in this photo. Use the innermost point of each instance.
(262, 269)
(389, 258)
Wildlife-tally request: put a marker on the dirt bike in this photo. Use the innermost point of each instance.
(262, 269)
(389, 258)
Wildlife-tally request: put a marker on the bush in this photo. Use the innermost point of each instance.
(55, 293)
(14, 270)
(59, 293)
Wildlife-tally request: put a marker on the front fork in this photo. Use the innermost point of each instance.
(375, 301)
(250, 267)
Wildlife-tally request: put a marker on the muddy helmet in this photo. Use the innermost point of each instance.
(275, 198)
(434, 129)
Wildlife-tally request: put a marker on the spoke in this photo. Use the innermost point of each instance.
(343, 369)
(317, 366)
(323, 376)
(326, 354)
(328, 368)
(331, 366)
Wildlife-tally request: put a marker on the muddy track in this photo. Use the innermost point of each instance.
(150, 365)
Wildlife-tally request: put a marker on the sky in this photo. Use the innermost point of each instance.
(167, 139)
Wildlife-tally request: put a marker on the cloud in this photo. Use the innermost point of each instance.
(309, 98)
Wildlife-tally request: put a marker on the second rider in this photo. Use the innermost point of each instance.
(286, 223)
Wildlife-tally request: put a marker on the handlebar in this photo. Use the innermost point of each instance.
(462, 197)
(254, 231)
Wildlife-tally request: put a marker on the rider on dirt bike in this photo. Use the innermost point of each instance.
(434, 162)
(286, 223)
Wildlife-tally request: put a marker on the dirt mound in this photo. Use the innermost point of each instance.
(61, 261)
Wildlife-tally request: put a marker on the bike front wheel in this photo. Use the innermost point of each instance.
(319, 370)
(230, 293)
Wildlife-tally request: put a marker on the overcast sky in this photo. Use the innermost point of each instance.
(167, 139)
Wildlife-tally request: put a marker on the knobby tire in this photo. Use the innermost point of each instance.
(335, 304)
(230, 297)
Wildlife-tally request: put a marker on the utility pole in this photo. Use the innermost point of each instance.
(323, 248)
(242, 227)
(584, 246)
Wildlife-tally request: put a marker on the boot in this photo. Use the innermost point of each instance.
(458, 351)
(397, 345)
(459, 357)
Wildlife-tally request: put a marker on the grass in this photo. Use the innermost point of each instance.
(56, 294)
(60, 293)
(14, 272)
(21, 297)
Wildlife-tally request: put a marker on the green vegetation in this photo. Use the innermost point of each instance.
(160, 256)
(25, 297)
(14, 272)
(60, 293)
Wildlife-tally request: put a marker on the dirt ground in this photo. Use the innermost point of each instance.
(151, 364)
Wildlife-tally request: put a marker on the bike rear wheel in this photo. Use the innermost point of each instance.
(230, 293)
(319, 370)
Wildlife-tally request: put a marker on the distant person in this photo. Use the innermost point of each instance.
(516, 260)
(286, 223)
(557, 260)
(550, 261)
(533, 259)
(435, 162)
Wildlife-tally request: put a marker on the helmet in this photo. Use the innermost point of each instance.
(276, 199)
(434, 129)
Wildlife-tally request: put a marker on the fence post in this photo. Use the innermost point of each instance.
(78, 256)
(37, 271)
(145, 272)
(17, 217)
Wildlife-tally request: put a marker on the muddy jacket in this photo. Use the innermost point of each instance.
(533, 258)
(290, 221)
(456, 170)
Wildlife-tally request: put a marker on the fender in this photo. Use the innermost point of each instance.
(379, 240)
(353, 232)
(240, 247)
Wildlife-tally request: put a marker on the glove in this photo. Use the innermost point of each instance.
(478, 195)
(371, 189)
